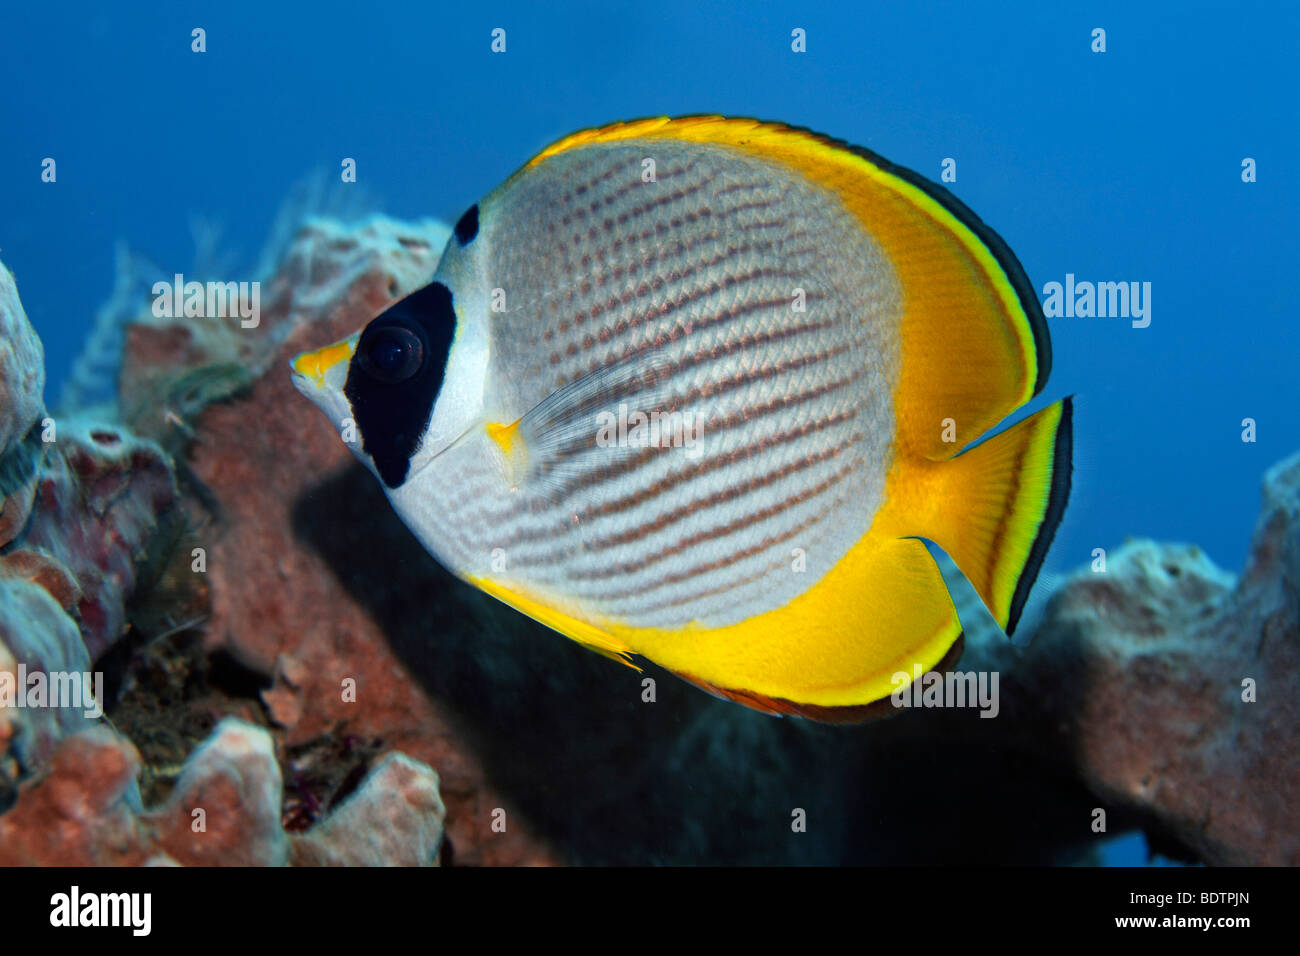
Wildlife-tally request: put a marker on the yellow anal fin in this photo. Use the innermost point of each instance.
(588, 635)
(995, 508)
(855, 714)
(833, 654)
(880, 612)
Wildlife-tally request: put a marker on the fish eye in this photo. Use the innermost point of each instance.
(391, 353)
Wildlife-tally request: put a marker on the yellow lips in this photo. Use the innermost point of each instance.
(314, 365)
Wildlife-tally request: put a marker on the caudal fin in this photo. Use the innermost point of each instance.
(1002, 502)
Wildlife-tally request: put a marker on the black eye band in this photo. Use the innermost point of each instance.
(396, 375)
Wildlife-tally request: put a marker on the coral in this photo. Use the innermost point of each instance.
(37, 632)
(87, 500)
(224, 810)
(319, 195)
(22, 381)
(22, 366)
(97, 502)
(1183, 703)
(395, 817)
(100, 496)
(64, 579)
(1168, 687)
(275, 602)
(92, 381)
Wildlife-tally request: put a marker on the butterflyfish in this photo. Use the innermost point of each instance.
(700, 390)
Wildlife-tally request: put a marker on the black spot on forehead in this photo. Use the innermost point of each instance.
(392, 417)
(467, 226)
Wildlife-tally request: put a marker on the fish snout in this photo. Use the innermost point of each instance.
(324, 368)
(320, 376)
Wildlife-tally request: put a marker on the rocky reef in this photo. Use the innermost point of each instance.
(80, 503)
(285, 666)
(85, 810)
(1170, 688)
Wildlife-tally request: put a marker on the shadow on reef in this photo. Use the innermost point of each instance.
(609, 778)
